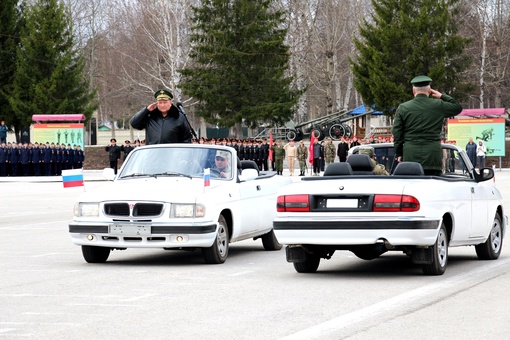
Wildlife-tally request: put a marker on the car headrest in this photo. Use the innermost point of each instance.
(249, 164)
(409, 168)
(360, 163)
(338, 169)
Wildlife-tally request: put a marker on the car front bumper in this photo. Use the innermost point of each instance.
(145, 236)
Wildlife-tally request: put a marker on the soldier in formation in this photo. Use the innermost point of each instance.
(302, 155)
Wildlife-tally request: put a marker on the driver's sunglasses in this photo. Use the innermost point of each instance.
(220, 158)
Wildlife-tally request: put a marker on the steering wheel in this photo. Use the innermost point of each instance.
(215, 173)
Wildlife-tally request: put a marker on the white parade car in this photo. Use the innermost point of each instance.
(350, 208)
(163, 197)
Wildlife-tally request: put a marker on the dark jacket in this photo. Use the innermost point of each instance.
(3, 131)
(342, 150)
(417, 129)
(471, 152)
(113, 152)
(160, 130)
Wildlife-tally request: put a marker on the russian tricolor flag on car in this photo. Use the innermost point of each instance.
(72, 178)
(207, 177)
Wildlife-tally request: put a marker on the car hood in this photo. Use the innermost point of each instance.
(179, 189)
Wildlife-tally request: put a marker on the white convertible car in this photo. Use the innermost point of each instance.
(350, 208)
(178, 196)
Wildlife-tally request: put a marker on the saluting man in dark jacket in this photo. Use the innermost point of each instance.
(113, 154)
(418, 124)
(162, 121)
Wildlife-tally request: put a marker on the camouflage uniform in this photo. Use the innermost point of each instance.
(279, 155)
(329, 152)
(302, 155)
(379, 169)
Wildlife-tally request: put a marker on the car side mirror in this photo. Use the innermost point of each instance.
(248, 175)
(484, 174)
(108, 174)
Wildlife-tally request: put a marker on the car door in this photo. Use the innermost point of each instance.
(251, 209)
(481, 194)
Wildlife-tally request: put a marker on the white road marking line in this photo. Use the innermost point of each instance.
(101, 305)
(44, 255)
(241, 273)
(322, 330)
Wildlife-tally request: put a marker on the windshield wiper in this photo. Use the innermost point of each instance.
(136, 174)
(171, 173)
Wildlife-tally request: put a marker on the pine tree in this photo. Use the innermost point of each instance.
(49, 76)
(10, 24)
(240, 63)
(407, 39)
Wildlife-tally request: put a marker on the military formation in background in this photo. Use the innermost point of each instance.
(39, 159)
(254, 150)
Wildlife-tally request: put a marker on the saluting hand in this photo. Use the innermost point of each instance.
(152, 106)
(435, 94)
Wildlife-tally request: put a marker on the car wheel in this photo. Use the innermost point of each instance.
(93, 254)
(439, 254)
(491, 249)
(270, 242)
(218, 252)
(310, 265)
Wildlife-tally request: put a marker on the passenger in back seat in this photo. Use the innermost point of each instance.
(379, 169)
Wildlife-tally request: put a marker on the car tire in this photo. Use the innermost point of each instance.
(270, 242)
(439, 254)
(93, 254)
(218, 252)
(491, 249)
(310, 265)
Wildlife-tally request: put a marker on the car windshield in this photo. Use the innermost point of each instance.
(178, 161)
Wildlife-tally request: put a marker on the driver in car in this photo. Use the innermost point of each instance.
(222, 164)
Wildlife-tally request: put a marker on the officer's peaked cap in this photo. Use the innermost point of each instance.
(163, 95)
(420, 81)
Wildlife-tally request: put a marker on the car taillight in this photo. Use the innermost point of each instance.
(293, 203)
(394, 203)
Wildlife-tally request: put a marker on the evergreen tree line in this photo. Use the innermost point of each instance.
(241, 63)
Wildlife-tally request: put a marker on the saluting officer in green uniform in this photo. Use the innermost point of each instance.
(379, 169)
(418, 123)
(279, 156)
(302, 155)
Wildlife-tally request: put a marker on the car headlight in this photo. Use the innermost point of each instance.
(187, 210)
(86, 209)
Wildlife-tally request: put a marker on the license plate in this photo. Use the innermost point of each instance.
(136, 229)
(342, 203)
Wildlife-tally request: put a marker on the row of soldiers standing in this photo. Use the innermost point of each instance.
(324, 153)
(257, 151)
(39, 159)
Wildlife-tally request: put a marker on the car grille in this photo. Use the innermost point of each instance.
(138, 209)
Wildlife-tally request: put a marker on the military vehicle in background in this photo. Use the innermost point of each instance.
(333, 125)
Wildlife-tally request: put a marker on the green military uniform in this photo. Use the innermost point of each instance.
(379, 169)
(417, 127)
(279, 156)
(329, 152)
(302, 155)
